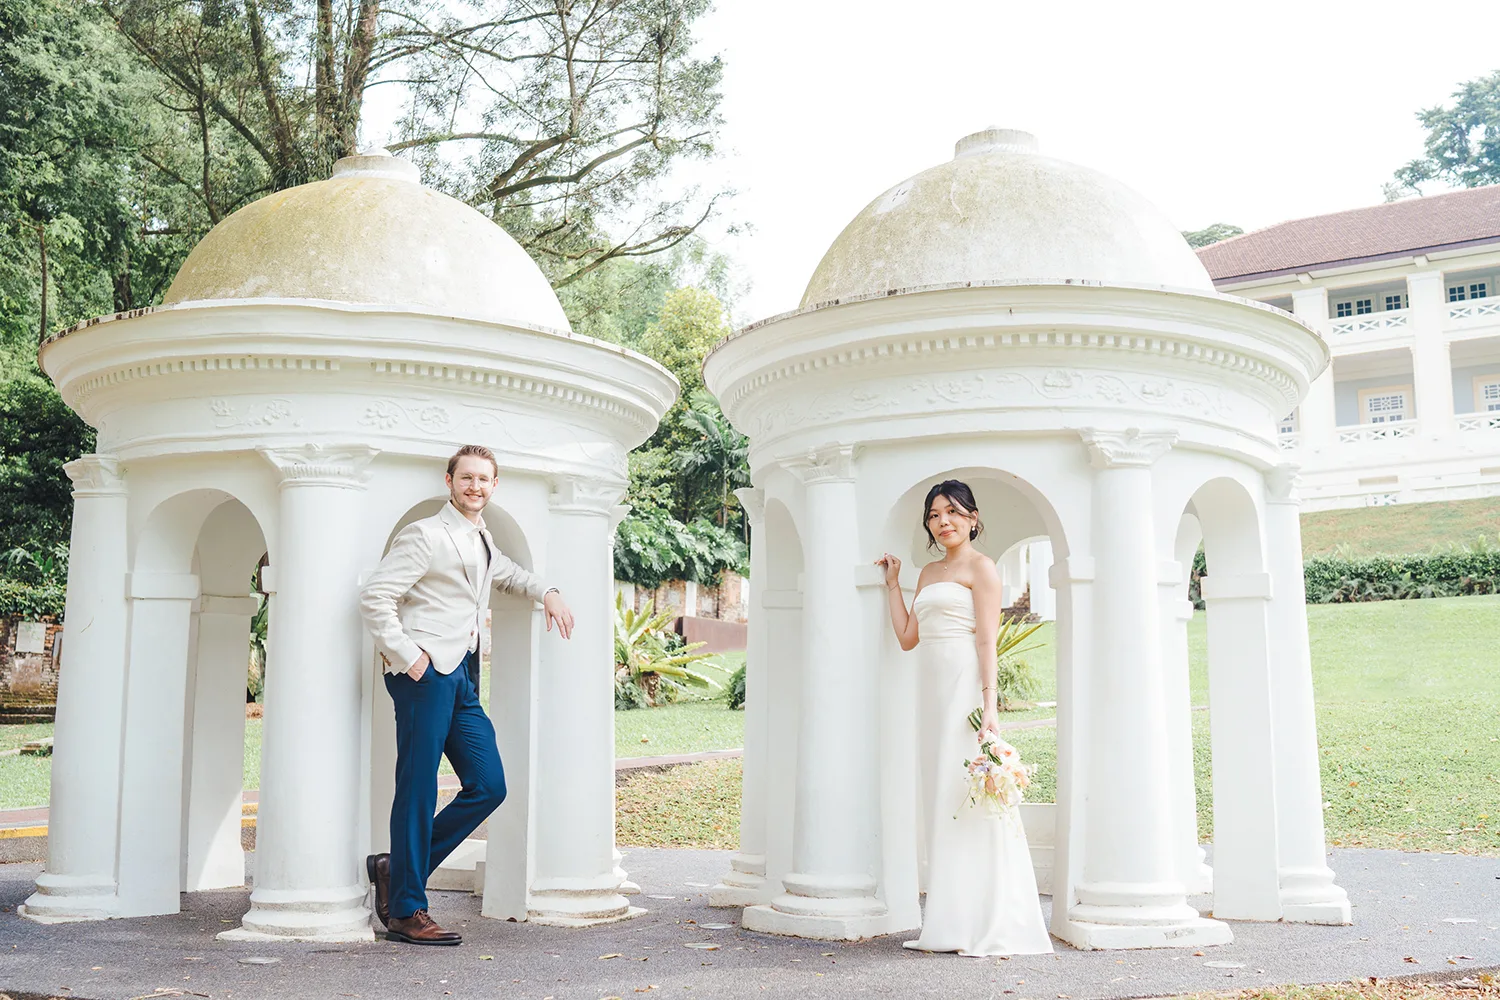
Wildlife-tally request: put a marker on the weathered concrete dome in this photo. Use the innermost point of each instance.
(370, 235)
(1000, 212)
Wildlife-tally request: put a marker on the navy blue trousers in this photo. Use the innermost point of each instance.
(437, 715)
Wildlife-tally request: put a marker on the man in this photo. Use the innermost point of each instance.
(425, 605)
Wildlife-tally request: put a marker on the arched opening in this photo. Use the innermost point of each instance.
(1020, 524)
(191, 603)
(1236, 593)
(507, 688)
(780, 683)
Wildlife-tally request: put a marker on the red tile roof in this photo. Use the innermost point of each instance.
(1397, 229)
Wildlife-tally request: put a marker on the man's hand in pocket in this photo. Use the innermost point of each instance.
(416, 670)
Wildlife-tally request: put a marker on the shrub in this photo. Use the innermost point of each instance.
(1456, 572)
(737, 688)
(654, 547)
(33, 601)
(652, 666)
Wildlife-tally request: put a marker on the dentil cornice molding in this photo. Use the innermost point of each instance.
(345, 466)
(1132, 448)
(95, 476)
(829, 463)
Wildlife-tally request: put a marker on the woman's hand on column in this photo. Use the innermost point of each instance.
(892, 567)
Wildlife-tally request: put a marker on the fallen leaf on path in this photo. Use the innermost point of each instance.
(1413, 961)
(613, 954)
(486, 958)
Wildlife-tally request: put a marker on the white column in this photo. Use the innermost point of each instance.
(627, 887)
(1239, 682)
(510, 849)
(215, 859)
(1432, 368)
(782, 691)
(1130, 895)
(1317, 419)
(831, 891)
(1038, 568)
(153, 748)
(1176, 612)
(745, 883)
(308, 883)
(1012, 575)
(83, 826)
(1308, 893)
(575, 882)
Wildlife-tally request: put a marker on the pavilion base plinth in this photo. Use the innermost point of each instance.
(823, 918)
(1308, 896)
(1194, 932)
(584, 908)
(63, 899)
(305, 915)
(744, 885)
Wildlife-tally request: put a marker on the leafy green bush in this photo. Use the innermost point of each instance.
(1457, 572)
(19, 599)
(653, 547)
(737, 688)
(652, 665)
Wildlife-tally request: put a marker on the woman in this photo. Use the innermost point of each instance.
(981, 891)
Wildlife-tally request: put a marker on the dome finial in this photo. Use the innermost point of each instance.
(995, 140)
(377, 162)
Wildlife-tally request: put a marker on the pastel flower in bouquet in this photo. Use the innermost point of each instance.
(997, 779)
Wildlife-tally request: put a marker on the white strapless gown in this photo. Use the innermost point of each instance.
(981, 890)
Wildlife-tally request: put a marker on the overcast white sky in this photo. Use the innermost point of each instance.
(1218, 112)
(1248, 113)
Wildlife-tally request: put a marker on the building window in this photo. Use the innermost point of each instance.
(1487, 394)
(1342, 309)
(1385, 406)
(1363, 307)
(1288, 423)
(1456, 293)
(1394, 302)
(1479, 290)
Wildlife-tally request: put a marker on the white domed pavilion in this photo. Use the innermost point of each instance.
(1040, 331)
(319, 356)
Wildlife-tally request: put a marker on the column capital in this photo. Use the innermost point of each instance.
(616, 515)
(1282, 482)
(830, 463)
(345, 466)
(587, 496)
(753, 500)
(95, 476)
(1132, 448)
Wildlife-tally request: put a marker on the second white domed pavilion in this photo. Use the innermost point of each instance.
(1040, 331)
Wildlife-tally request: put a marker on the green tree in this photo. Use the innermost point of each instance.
(558, 117)
(1462, 147)
(1210, 235)
(717, 457)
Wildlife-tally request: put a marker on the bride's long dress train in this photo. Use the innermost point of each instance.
(981, 890)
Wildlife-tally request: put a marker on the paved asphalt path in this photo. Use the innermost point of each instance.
(1401, 902)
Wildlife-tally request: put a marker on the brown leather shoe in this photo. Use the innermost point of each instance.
(378, 867)
(419, 928)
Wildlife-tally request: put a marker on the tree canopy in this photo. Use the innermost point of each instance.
(1211, 234)
(1462, 146)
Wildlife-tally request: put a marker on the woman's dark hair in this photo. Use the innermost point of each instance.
(961, 497)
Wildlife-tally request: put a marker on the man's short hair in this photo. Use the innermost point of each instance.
(478, 451)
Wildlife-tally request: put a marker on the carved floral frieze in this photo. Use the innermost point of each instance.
(1017, 388)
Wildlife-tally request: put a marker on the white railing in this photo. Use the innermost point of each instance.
(1381, 499)
(1478, 421)
(1477, 309)
(1377, 432)
(1369, 323)
(1289, 441)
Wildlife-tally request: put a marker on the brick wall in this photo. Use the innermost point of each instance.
(28, 680)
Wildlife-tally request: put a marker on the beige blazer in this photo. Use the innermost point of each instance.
(429, 593)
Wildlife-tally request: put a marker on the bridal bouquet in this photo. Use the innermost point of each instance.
(997, 778)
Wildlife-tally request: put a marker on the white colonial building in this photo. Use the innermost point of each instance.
(1405, 294)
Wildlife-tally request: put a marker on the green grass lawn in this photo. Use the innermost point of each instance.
(1404, 529)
